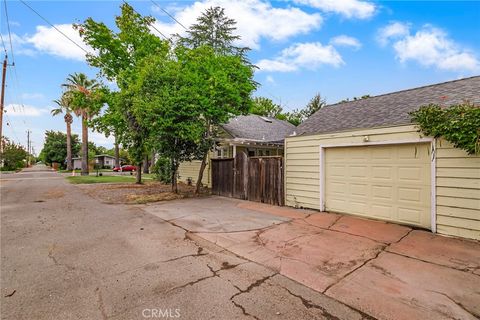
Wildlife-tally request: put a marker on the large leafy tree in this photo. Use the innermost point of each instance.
(13, 155)
(216, 30)
(315, 104)
(118, 53)
(86, 99)
(111, 122)
(266, 107)
(221, 72)
(164, 101)
(55, 147)
(63, 107)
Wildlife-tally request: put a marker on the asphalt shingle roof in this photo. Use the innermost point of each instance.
(390, 109)
(253, 127)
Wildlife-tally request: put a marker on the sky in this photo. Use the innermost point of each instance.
(338, 48)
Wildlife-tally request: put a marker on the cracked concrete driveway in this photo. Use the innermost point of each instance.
(65, 255)
(385, 270)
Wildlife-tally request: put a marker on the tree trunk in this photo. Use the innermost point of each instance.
(69, 147)
(139, 173)
(145, 164)
(204, 161)
(117, 153)
(84, 146)
(174, 177)
(200, 173)
(152, 162)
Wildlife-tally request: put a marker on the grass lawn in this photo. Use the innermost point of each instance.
(101, 179)
(79, 171)
(106, 179)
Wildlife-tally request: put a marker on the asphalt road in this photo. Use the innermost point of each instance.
(65, 255)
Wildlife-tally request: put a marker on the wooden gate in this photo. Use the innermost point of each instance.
(256, 179)
(222, 177)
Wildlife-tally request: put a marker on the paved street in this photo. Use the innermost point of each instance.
(65, 255)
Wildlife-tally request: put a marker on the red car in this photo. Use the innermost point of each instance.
(125, 168)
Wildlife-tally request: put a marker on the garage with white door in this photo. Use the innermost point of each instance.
(366, 158)
(387, 182)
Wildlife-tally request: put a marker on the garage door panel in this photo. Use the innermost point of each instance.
(382, 193)
(359, 190)
(382, 211)
(410, 194)
(384, 182)
(382, 173)
(410, 174)
(409, 215)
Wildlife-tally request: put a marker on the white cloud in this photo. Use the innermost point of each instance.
(255, 19)
(33, 96)
(270, 79)
(392, 31)
(20, 45)
(348, 8)
(431, 47)
(15, 110)
(347, 41)
(100, 139)
(302, 55)
(50, 41)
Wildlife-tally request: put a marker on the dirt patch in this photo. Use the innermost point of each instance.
(53, 194)
(130, 193)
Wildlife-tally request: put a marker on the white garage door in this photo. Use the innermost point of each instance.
(382, 182)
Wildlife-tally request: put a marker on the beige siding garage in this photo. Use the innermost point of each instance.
(389, 182)
(457, 176)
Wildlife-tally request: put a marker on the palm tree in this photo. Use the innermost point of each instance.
(81, 89)
(64, 107)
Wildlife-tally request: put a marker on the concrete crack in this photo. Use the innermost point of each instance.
(198, 254)
(309, 304)
(255, 284)
(101, 306)
(457, 303)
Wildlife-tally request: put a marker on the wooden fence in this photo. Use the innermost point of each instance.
(256, 178)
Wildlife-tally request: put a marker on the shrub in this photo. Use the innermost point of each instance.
(162, 170)
(458, 124)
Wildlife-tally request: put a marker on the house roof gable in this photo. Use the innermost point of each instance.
(390, 109)
(257, 128)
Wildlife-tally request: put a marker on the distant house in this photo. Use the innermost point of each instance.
(105, 161)
(252, 134)
(366, 158)
(77, 163)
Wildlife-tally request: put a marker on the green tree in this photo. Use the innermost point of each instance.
(118, 53)
(111, 122)
(13, 156)
(63, 106)
(216, 30)
(221, 71)
(55, 147)
(85, 100)
(267, 108)
(315, 104)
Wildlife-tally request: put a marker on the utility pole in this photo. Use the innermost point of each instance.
(2, 99)
(28, 147)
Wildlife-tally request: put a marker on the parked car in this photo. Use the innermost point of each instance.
(125, 168)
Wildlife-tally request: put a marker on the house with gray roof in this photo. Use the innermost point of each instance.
(254, 135)
(366, 158)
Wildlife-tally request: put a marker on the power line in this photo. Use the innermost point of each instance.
(168, 14)
(9, 33)
(53, 26)
(3, 43)
(166, 38)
